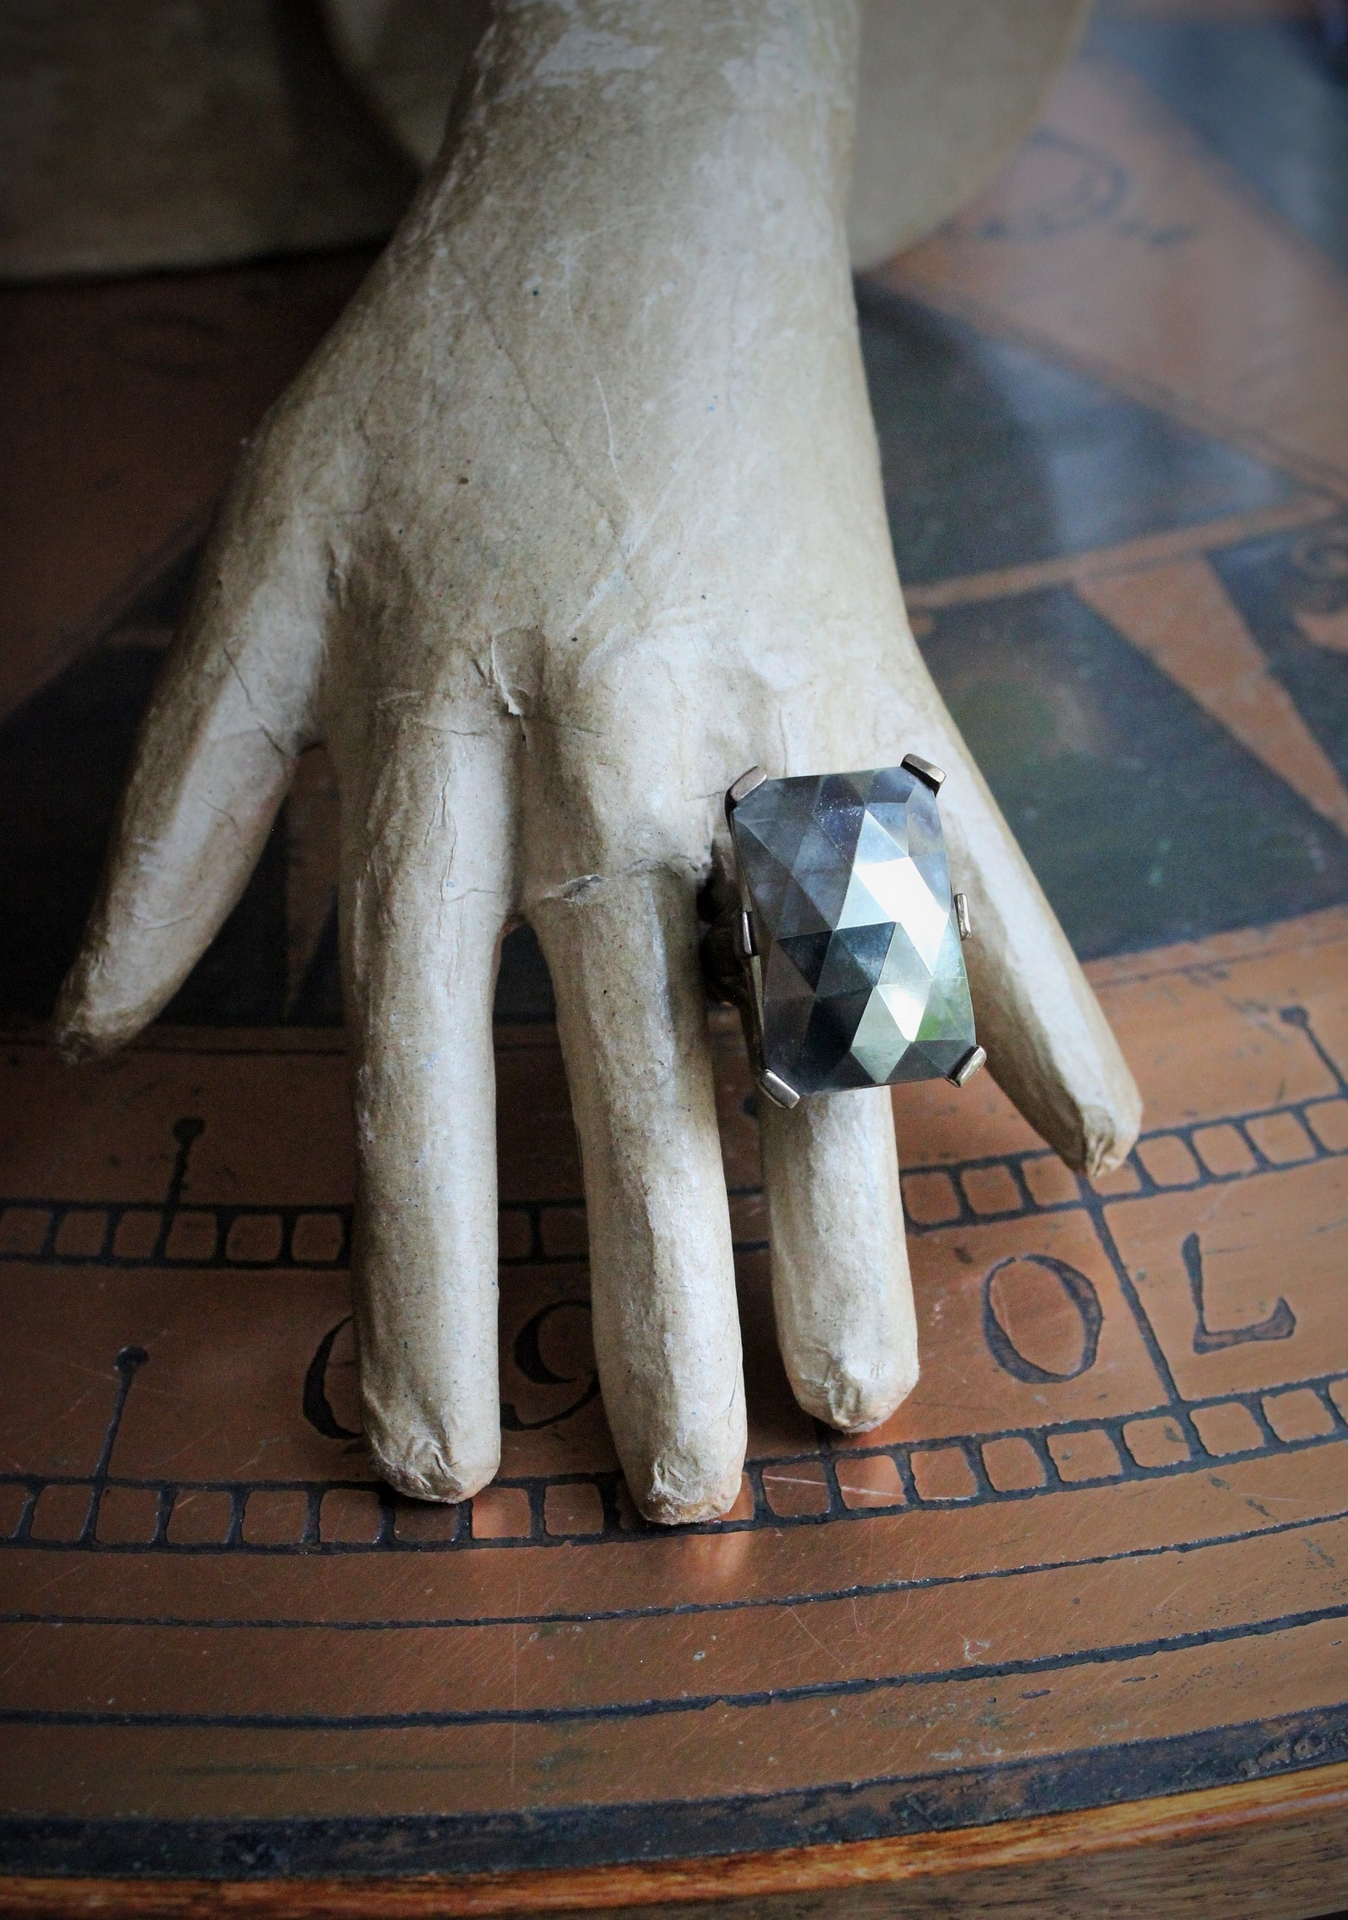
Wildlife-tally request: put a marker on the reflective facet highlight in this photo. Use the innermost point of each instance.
(861, 977)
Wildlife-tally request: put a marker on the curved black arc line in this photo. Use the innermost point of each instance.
(1012, 1161)
(319, 1413)
(317, 1488)
(1095, 195)
(529, 1359)
(447, 1845)
(981, 1436)
(1080, 1291)
(686, 1703)
(315, 1403)
(679, 1609)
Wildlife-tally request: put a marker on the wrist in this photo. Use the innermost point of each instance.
(706, 125)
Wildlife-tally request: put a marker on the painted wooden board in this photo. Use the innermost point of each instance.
(1097, 1556)
(1073, 1628)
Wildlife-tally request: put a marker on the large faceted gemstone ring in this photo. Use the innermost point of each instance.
(848, 935)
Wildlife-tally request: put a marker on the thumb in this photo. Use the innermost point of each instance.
(217, 747)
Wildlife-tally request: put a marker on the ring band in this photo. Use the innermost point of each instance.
(844, 951)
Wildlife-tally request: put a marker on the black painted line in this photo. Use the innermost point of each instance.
(679, 1609)
(446, 1845)
(1129, 1472)
(663, 1707)
(19, 1537)
(966, 1217)
(288, 1214)
(1095, 1208)
(1256, 1408)
(1318, 1383)
(163, 1513)
(1299, 1016)
(127, 1363)
(186, 1131)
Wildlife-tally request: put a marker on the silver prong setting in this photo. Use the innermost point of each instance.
(963, 923)
(931, 776)
(961, 1075)
(777, 1090)
(741, 789)
(796, 839)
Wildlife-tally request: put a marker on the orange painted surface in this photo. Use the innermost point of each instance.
(1096, 1556)
(122, 409)
(1116, 241)
(1112, 1512)
(1181, 617)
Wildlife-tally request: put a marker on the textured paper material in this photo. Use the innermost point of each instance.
(172, 133)
(574, 516)
(182, 133)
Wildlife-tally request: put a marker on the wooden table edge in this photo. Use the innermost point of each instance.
(1248, 1832)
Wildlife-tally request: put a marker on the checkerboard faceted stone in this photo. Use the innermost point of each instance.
(863, 978)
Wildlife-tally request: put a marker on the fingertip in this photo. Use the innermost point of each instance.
(1091, 1129)
(632, 1016)
(684, 1488)
(73, 1044)
(80, 1028)
(1109, 1135)
(69, 1034)
(854, 1398)
(426, 1468)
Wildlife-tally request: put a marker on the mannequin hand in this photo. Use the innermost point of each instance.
(575, 517)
